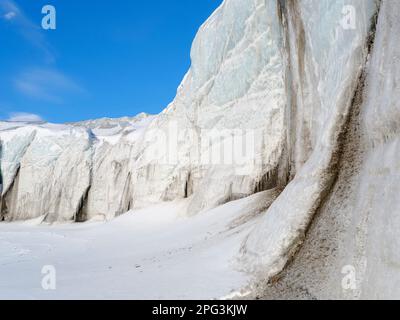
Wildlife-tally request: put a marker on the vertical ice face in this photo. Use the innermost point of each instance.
(375, 211)
(66, 172)
(237, 82)
(45, 171)
(326, 49)
(13, 148)
(235, 60)
(354, 234)
(325, 61)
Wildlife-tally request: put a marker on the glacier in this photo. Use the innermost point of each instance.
(288, 118)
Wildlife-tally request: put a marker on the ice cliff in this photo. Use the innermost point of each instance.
(310, 87)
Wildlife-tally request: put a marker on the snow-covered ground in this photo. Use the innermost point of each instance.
(154, 253)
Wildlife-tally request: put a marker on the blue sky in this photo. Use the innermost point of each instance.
(105, 59)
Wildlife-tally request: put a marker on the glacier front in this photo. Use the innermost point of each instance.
(289, 112)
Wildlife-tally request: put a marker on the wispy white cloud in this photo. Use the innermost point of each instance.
(10, 15)
(8, 6)
(24, 117)
(42, 83)
(46, 84)
(31, 31)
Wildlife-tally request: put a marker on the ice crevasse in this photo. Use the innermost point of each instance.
(320, 96)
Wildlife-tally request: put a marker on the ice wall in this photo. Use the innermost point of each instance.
(325, 63)
(354, 234)
(67, 172)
